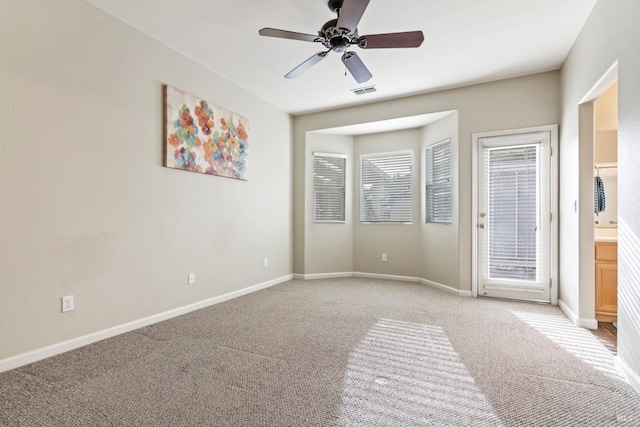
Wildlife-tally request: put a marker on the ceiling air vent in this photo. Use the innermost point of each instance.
(364, 90)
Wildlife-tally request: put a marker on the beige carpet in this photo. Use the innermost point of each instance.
(341, 352)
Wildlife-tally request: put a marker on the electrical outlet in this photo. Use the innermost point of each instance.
(192, 278)
(265, 263)
(67, 303)
(384, 257)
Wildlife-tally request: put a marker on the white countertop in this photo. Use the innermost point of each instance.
(606, 234)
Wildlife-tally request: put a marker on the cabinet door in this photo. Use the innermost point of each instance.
(606, 287)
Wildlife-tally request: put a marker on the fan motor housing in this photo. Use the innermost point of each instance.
(336, 39)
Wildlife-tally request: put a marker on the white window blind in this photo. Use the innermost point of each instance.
(517, 225)
(385, 191)
(329, 187)
(438, 182)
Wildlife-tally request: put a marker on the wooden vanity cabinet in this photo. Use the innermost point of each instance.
(606, 281)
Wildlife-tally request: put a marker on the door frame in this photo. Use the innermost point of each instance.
(553, 169)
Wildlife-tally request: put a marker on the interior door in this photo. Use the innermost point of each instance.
(514, 217)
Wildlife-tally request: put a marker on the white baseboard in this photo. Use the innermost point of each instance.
(72, 344)
(588, 323)
(448, 289)
(385, 277)
(323, 276)
(632, 377)
(573, 317)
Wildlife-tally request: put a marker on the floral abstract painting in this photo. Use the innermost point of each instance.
(202, 137)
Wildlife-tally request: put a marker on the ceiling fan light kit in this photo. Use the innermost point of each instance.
(340, 34)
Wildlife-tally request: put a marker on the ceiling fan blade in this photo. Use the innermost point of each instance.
(391, 40)
(306, 65)
(356, 67)
(351, 13)
(283, 34)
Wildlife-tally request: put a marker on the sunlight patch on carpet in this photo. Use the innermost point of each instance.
(577, 341)
(409, 374)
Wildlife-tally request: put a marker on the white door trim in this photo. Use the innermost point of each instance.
(553, 262)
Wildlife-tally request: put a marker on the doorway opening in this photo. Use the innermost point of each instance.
(598, 208)
(606, 215)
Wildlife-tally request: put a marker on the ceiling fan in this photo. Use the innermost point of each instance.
(340, 34)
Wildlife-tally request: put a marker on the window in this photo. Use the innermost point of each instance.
(385, 192)
(438, 182)
(513, 187)
(329, 187)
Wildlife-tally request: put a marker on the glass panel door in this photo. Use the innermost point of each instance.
(514, 217)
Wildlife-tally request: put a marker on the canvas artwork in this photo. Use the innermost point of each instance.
(202, 137)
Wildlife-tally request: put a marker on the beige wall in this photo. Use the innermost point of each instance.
(606, 107)
(401, 242)
(87, 207)
(606, 146)
(440, 241)
(599, 46)
(606, 126)
(507, 104)
(329, 246)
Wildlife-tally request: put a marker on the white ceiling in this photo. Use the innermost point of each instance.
(466, 42)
